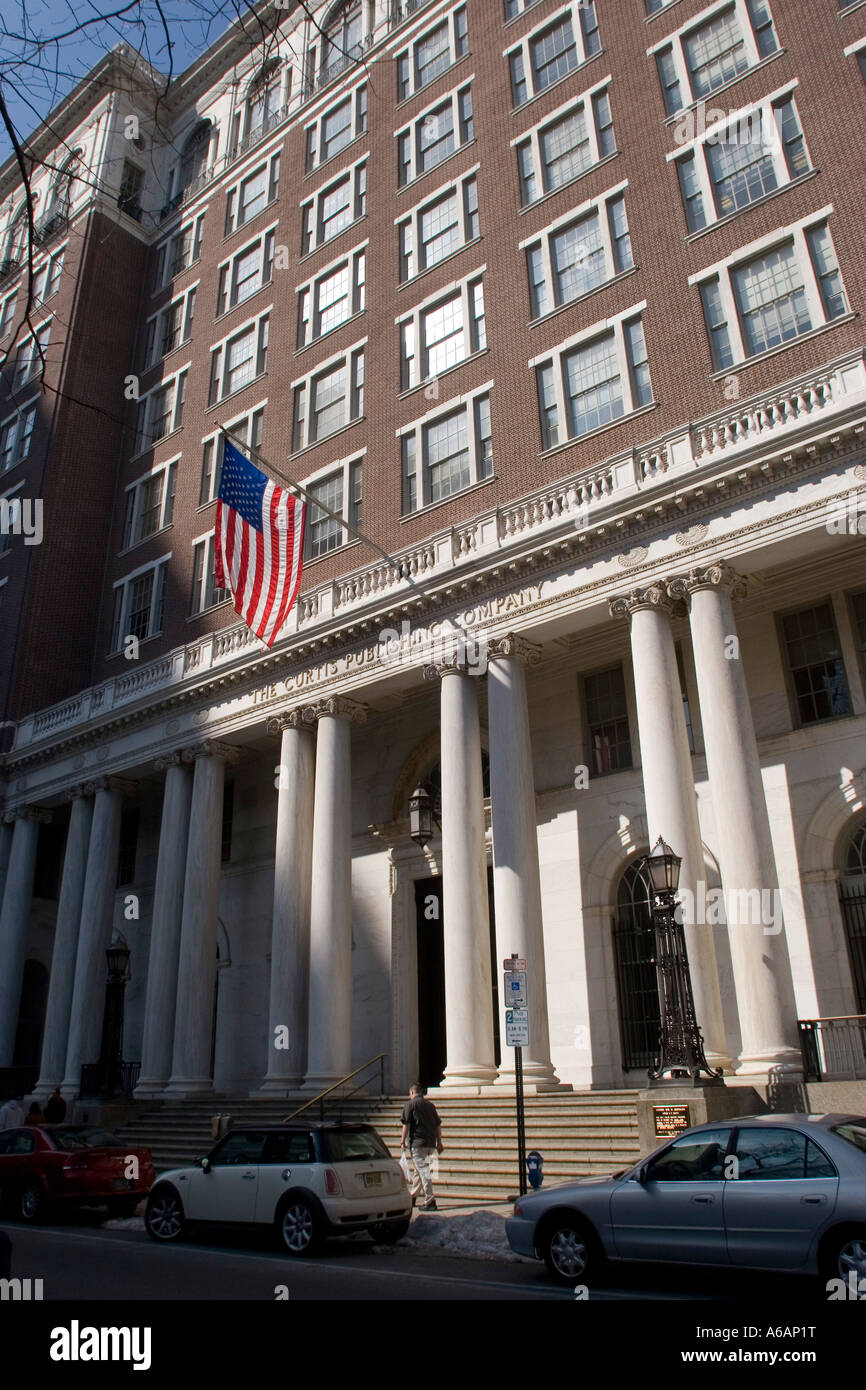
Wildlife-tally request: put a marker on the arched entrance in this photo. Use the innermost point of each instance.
(637, 991)
(852, 897)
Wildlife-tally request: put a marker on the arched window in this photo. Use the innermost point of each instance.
(344, 38)
(637, 989)
(13, 243)
(194, 157)
(263, 101)
(63, 189)
(852, 895)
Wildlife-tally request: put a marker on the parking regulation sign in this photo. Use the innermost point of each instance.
(516, 1027)
(514, 963)
(515, 989)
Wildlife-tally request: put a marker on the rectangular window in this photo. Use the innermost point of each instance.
(131, 185)
(815, 665)
(600, 379)
(761, 302)
(177, 254)
(439, 227)
(332, 298)
(15, 436)
(334, 208)
(340, 492)
(239, 360)
(138, 604)
(702, 58)
(438, 336)
(149, 506)
(160, 412)
(607, 720)
(247, 433)
(434, 135)
(329, 399)
(858, 606)
(205, 593)
(336, 128)
(7, 314)
(252, 195)
(432, 54)
(170, 328)
(565, 147)
(246, 273)
(547, 55)
(575, 256)
(454, 449)
(30, 357)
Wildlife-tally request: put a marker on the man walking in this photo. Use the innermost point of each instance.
(423, 1130)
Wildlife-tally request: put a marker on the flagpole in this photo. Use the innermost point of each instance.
(313, 501)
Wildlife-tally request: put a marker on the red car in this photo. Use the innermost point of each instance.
(71, 1164)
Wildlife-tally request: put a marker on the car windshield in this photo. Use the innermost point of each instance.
(854, 1131)
(71, 1140)
(352, 1145)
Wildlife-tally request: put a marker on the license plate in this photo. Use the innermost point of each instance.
(121, 1183)
(373, 1179)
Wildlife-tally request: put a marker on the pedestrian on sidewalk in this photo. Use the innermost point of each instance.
(12, 1113)
(55, 1110)
(422, 1134)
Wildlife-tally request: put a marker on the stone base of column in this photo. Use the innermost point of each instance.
(505, 1085)
(787, 1062)
(184, 1087)
(149, 1087)
(470, 1075)
(278, 1086)
(535, 1074)
(720, 1059)
(43, 1089)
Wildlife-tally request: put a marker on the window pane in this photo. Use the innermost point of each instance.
(578, 259)
(815, 664)
(326, 534)
(436, 137)
(693, 198)
(593, 386)
(770, 1153)
(565, 150)
(432, 55)
(333, 297)
(440, 231)
(717, 327)
(741, 169)
(827, 271)
(336, 209)
(607, 718)
(553, 54)
(715, 53)
(329, 408)
(337, 129)
(446, 454)
(771, 300)
(444, 336)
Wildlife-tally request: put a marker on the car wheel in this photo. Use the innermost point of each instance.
(163, 1217)
(845, 1256)
(568, 1251)
(389, 1232)
(123, 1206)
(31, 1202)
(299, 1227)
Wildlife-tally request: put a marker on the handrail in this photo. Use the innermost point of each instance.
(380, 1057)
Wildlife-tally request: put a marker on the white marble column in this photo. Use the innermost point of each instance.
(196, 974)
(762, 969)
(15, 921)
(290, 933)
(516, 879)
(62, 980)
(330, 1007)
(94, 936)
(466, 917)
(161, 996)
(669, 791)
(7, 831)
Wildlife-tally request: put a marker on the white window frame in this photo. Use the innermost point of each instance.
(598, 205)
(305, 384)
(155, 327)
(199, 589)
(522, 7)
(410, 52)
(269, 166)
(254, 324)
(413, 129)
(316, 128)
(723, 272)
(715, 133)
(165, 272)
(311, 207)
(461, 289)
(532, 137)
(29, 361)
(226, 282)
(14, 516)
(51, 268)
(524, 47)
(214, 441)
(676, 42)
(144, 419)
(16, 418)
(466, 401)
(135, 491)
(120, 617)
(344, 466)
(554, 356)
(7, 313)
(353, 260)
(414, 216)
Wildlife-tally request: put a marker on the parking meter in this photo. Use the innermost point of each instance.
(535, 1169)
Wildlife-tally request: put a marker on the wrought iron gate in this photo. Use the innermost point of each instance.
(637, 989)
(852, 896)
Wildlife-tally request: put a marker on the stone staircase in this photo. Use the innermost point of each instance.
(578, 1133)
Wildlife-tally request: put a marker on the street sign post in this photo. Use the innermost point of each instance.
(517, 1036)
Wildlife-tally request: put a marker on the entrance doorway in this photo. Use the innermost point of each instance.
(429, 919)
(637, 988)
(852, 894)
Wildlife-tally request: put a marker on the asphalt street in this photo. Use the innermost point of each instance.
(80, 1259)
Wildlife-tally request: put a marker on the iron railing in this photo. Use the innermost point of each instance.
(329, 1091)
(109, 1078)
(255, 137)
(834, 1049)
(50, 225)
(852, 899)
(9, 266)
(194, 186)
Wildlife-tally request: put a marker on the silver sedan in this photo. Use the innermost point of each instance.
(773, 1192)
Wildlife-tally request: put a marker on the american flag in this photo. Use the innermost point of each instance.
(259, 544)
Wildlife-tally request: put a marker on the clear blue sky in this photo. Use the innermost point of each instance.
(37, 73)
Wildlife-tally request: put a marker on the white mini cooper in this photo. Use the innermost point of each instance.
(306, 1182)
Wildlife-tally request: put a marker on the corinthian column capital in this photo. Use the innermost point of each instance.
(515, 646)
(651, 596)
(338, 707)
(168, 760)
(111, 784)
(289, 719)
(30, 813)
(211, 748)
(718, 575)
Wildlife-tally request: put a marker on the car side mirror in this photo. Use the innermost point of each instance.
(642, 1174)
(204, 1164)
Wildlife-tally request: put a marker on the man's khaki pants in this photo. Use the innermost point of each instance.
(423, 1182)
